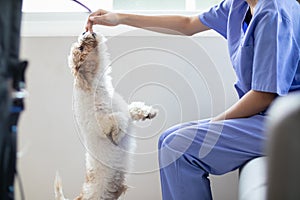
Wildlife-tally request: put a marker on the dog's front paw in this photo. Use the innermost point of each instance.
(114, 135)
(140, 111)
(118, 126)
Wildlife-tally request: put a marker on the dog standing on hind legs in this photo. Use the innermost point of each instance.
(104, 119)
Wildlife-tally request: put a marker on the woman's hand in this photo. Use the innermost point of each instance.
(102, 17)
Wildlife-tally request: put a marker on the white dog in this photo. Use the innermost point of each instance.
(104, 119)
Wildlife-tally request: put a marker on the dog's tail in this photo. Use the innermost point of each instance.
(58, 188)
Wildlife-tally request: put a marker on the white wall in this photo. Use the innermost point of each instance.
(185, 78)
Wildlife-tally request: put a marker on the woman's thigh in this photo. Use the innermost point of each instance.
(176, 127)
(216, 147)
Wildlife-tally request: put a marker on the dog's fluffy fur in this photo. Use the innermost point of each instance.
(104, 120)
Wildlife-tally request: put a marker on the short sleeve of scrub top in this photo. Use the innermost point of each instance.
(276, 52)
(218, 13)
(266, 56)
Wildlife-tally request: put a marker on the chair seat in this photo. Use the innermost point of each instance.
(253, 180)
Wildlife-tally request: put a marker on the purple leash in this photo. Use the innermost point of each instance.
(81, 4)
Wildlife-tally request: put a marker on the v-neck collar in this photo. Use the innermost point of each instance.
(247, 20)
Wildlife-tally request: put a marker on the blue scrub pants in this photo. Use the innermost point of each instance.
(189, 152)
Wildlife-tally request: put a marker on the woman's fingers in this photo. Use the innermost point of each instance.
(101, 17)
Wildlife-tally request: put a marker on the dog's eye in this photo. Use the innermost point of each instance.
(80, 48)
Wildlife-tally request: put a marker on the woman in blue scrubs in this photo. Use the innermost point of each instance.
(264, 44)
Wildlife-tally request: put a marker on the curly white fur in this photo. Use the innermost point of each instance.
(104, 120)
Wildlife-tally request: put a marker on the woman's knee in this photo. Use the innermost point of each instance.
(172, 130)
(162, 138)
(167, 153)
(174, 143)
(165, 134)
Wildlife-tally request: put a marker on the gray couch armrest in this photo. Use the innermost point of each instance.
(284, 149)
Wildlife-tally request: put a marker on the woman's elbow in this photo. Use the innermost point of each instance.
(193, 25)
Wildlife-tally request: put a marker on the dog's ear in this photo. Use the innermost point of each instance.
(70, 62)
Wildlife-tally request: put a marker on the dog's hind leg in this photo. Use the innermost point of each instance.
(115, 187)
(140, 111)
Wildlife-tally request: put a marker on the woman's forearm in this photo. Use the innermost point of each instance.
(170, 24)
(250, 104)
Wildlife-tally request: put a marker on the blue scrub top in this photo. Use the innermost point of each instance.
(265, 54)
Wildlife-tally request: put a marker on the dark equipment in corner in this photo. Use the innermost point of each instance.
(12, 93)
